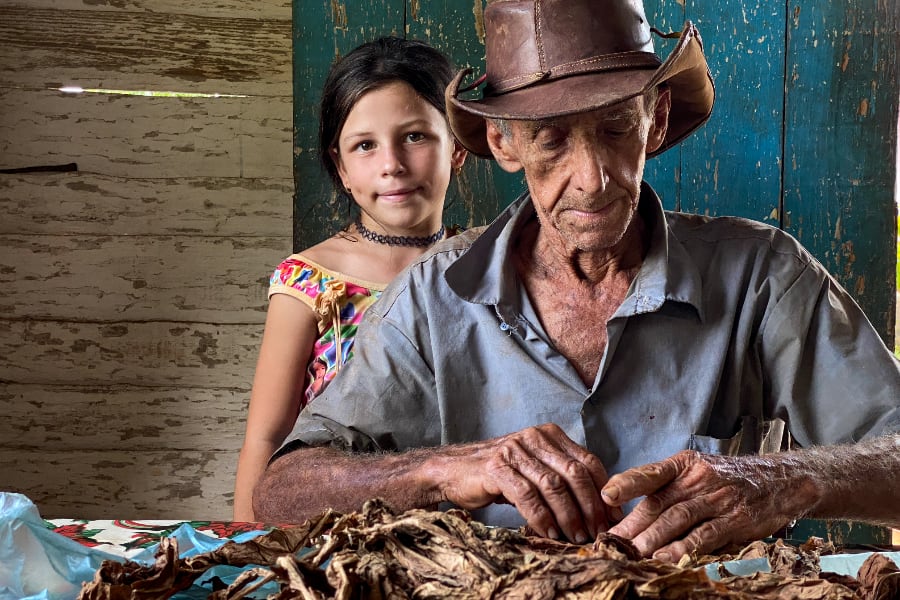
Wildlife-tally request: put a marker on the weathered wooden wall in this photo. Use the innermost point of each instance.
(132, 291)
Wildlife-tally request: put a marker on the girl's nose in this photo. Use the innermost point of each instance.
(392, 161)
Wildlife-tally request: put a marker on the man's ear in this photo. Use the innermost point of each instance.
(501, 148)
(660, 124)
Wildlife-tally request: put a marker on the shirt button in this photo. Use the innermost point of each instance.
(503, 326)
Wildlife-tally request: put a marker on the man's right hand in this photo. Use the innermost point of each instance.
(553, 482)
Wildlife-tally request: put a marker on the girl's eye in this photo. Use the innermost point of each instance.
(415, 136)
(365, 146)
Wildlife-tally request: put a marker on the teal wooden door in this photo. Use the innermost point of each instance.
(803, 135)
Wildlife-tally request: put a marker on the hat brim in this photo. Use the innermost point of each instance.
(685, 72)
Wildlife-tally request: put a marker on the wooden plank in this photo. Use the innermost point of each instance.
(80, 418)
(87, 203)
(732, 166)
(160, 353)
(233, 9)
(123, 484)
(144, 50)
(841, 145)
(147, 137)
(139, 278)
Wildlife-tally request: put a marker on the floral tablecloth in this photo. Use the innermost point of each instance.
(130, 538)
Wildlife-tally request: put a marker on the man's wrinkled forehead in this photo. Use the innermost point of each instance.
(628, 111)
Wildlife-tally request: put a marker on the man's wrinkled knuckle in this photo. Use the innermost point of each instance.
(551, 483)
(680, 514)
(652, 505)
(576, 471)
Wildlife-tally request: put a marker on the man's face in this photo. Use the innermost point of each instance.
(584, 170)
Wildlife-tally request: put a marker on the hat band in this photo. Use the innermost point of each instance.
(594, 64)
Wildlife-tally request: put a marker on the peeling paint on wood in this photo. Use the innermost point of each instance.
(98, 418)
(163, 353)
(124, 484)
(113, 404)
(841, 135)
(118, 278)
(134, 136)
(140, 50)
(89, 203)
(232, 9)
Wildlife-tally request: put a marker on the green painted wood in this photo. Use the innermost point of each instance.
(323, 31)
(731, 165)
(664, 171)
(841, 144)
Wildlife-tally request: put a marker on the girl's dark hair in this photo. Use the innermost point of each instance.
(371, 66)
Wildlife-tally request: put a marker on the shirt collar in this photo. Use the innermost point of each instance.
(484, 273)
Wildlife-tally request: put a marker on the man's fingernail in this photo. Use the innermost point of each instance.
(580, 537)
(611, 492)
(663, 556)
(552, 534)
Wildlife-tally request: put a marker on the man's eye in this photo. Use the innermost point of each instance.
(551, 143)
(616, 132)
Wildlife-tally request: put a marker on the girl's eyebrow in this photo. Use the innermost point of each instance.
(418, 122)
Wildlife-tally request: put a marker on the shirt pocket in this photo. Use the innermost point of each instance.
(756, 436)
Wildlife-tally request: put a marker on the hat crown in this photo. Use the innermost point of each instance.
(527, 41)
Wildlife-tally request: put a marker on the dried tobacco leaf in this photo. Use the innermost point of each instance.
(431, 555)
(879, 578)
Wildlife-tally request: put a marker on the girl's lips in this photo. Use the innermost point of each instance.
(397, 194)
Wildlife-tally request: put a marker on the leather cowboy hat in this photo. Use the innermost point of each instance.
(548, 58)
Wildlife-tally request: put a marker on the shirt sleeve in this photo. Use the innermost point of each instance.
(384, 399)
(828, 369)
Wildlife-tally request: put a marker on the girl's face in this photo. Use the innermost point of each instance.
(395, 154)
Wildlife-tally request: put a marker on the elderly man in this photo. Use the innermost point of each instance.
(589, 353)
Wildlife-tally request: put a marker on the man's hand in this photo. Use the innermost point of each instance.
(553, 482)
(697, 503)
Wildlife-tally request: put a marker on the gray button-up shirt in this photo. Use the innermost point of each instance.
(728, 325)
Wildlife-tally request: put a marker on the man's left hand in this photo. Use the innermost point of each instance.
(697, 503)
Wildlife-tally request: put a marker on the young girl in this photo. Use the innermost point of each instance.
(385, 142)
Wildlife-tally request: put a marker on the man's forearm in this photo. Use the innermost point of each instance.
(303, 483)
(859, 481)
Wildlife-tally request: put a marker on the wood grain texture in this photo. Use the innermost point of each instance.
(214, 279)
(139, 419)
(147, 137)
(231, 9)
(162, 353)
(843, 92)
(123, 50)
(92, 204)
(732, 165)
(124, 484)
(134, 288)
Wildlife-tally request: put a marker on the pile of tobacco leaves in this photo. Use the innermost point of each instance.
(377, 554)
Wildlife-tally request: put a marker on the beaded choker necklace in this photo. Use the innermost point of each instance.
(399, 240)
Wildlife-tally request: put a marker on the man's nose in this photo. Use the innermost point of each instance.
(590, 173)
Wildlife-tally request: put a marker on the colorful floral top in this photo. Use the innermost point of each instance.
(339, 302)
